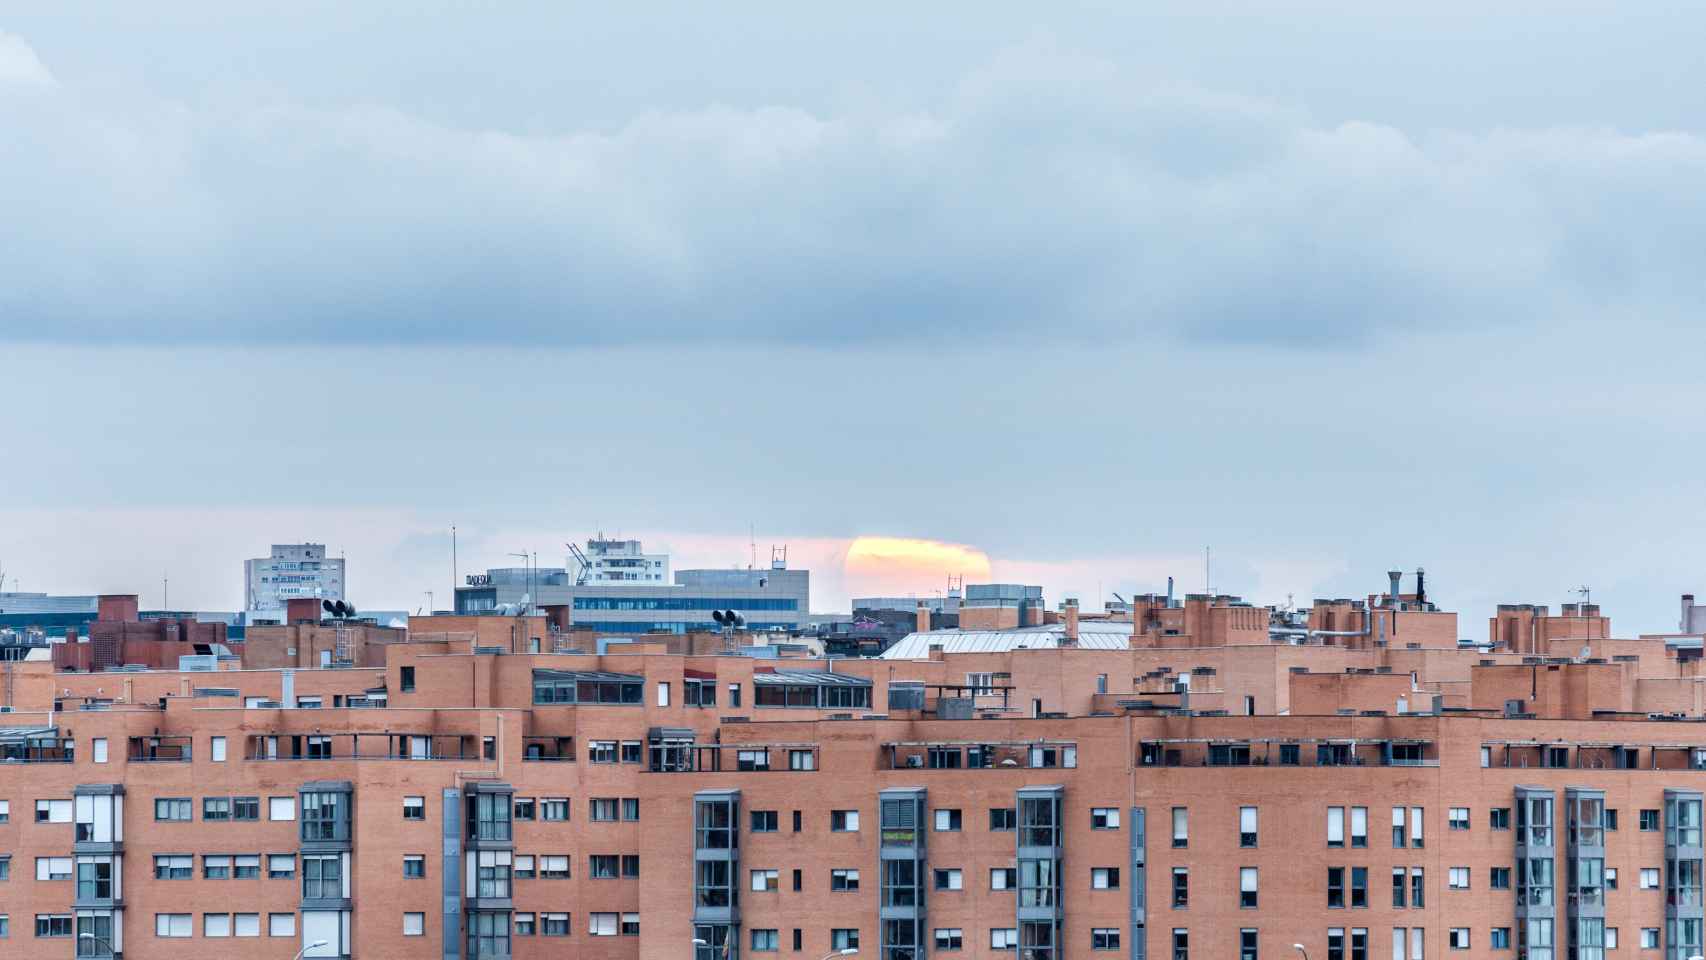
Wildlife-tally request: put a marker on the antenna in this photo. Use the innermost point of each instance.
(752, 546)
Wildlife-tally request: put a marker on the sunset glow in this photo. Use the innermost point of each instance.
(904, 566)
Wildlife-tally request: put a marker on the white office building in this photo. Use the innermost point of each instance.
(294, 570)
(617, 562)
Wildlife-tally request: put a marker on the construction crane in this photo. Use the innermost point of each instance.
(586, 565)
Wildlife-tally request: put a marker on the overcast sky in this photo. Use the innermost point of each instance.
(1331, 287)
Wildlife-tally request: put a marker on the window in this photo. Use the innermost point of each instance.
(172, 808)
(947, 820)
(53, 868)
(1104, 878)
(1104, 818)
(56, 925)
(246, 866)
(1499, 878)
(764, 941)
(5, 867)
(215, 867)
(554, 867)
(217, 749)
(1181, 828)
(841, 880)
(282, 808)
(1610, 819)
(407, 679)
(245, 808)
(1247, 944)
(1458, 938)
(1399, 892)
(524, 808)
(1246, 826)
(630, 809)
(601, 924)
(1649, 935)
(844, 938)
(766, 881)
(1003, 938)
(1003, 878)
(524, 924)
(1611, 878)
(322, 878)
(1105, 938)
(1457, 878)
(554, 808)
(1335, 887)
(1499, 938)
(1400, 837)
(1610, 938)
(1417, 888)
(949, 879)
(216, 925)
(1002, 818)
(802, 760)
(603, 866)
(630, 865)
(100, 749)
(216, 808)
(1649, 823)
(1181, 888)
(1359, 826)
(631, 751)
(1649, 878)
(554, 924)
(522, 867)
(55, 811)
(1416, 827)
(1335, 826)
(845, 821)
(663, 693)
(764, 821)
(181, 867)
(1359, 888)
(1181, 944)
(1247, 880)
(602, 809)
(602, 751)
(1457, 818)
(414, 924)
(949, 938)
(281, 924)
(1499, 818)
(172, 925)
(414, 867)
(246, 924)
(281, 866)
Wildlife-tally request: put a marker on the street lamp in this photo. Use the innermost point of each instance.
(312, 946)
(1299, 948)
(111, 950)
(843, 952)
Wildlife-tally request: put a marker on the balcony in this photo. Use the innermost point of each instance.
(363, 746)
(160, 749)
(36, 745)
(548, 749)
(1290, 752)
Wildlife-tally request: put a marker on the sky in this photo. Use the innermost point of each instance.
(1066, 293)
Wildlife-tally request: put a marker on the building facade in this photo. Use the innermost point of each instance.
(775, 598)
(292, 571)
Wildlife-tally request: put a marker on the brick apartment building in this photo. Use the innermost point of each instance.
(455, 795)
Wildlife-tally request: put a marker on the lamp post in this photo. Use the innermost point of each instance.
(111, 950)
(1299, 948)
(844, 952)
(312, 946)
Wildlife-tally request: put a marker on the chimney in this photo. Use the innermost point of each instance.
(1070, 637)
(117, 608)
(1687, 606)
(936, 652)
(923, 618)
(1397, 579)
(1169, 593)
(1421, 586)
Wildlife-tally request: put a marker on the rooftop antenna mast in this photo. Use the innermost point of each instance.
(752, 546)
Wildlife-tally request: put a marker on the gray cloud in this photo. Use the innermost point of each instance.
(1048, 194)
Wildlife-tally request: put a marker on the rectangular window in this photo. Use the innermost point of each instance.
(1104, 878)
(322, 878)
(1499, 818)
(246, 924)
(844, 821)
(1417, 888)
(1181, 888)
(602, 924)
(1649, 820)
(1499, 938)
(173, 925)
(630, 865)
(554, 809)
(1335, 888)
(1335, 826)
(522, 866)
(56, 925)
(630, 809)
(1610, 938)
(1003, 818)
(414, 867)
(414, 924)
(1359, 888)
(844, 938)
(949, 938)
(1457, 818)
(1247, 893)
(281, 924)
(1649, 936)
(216, 925)
(1359, 826)
(173, 809)
(246, 808)
(1181, 944)
(843, 880)
(1246, 827)
(100, 749)
(217, 749)
(216, 808)
(178, 867)
(1649, 878)
(802, 760)
(602, 809)
(554, 867)
(215, 867)
(766, 881)
(281, 866)
(1499, 878)
(1415, 826)
(764, 821)
(406, 679)
(947, 820)
(1336, 943)
(1003, 938)
(663, 693)
(1003, 878)
(524, 924)
(524, 808)
(281, 808)
(763, 941)
(1181, 828)
(949, 879)
(1400, 836)
(1104, 818)
(1247, 944)
(553, 925)
(1457, 878)
(1457, 938)
(602, 751)
(1400, 895)
(55, 868)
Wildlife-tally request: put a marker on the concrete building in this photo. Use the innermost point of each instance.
(292, 571)
(1037, 791)
(776, 598)
(608, 561)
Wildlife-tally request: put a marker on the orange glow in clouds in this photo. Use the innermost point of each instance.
(903, 566)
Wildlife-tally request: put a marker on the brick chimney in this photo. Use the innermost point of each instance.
(117, 608)
(923, 618)
(302, 609)
(1070, 614)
